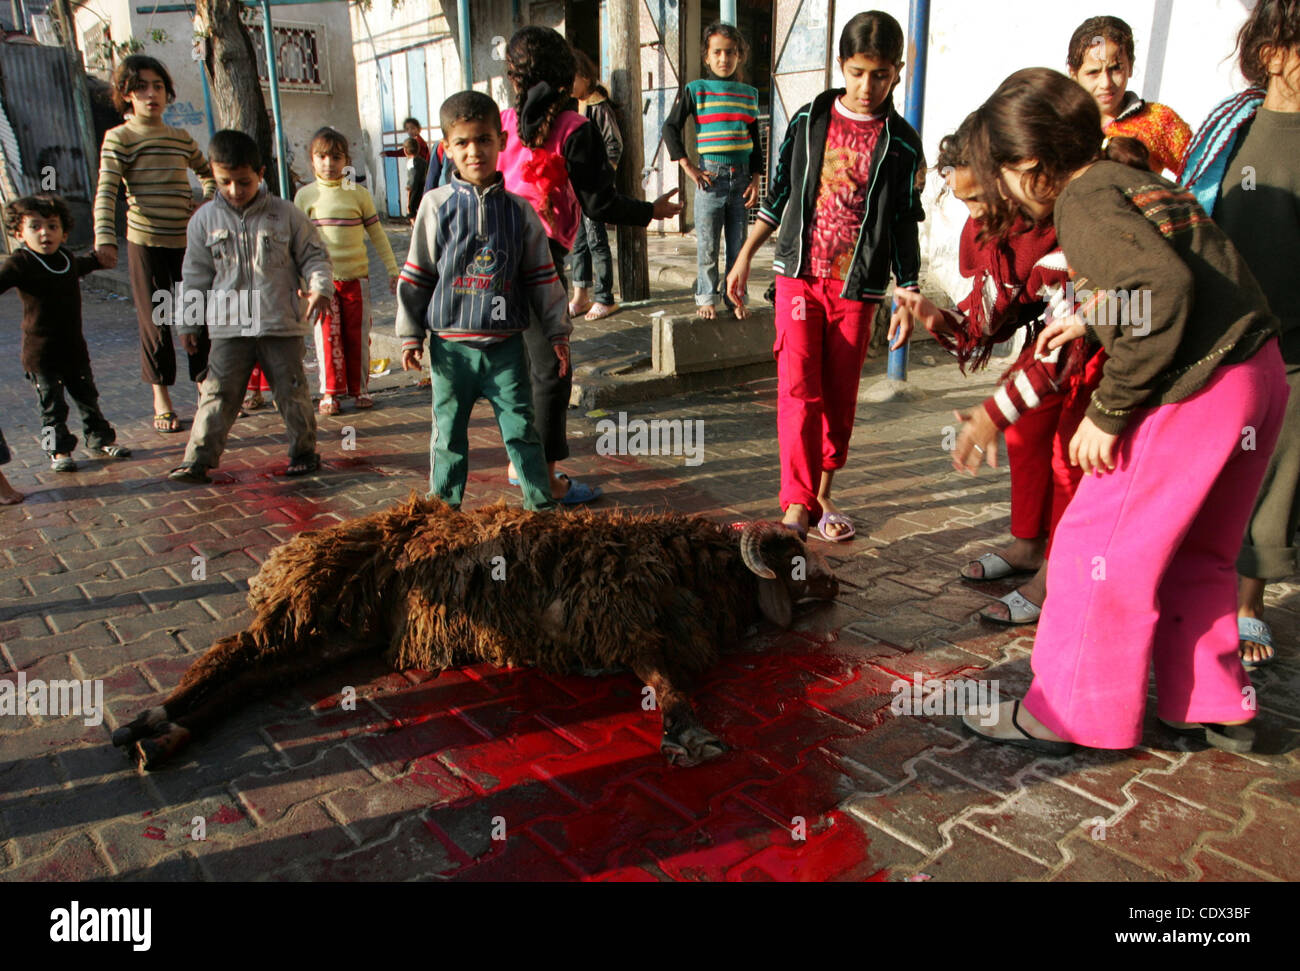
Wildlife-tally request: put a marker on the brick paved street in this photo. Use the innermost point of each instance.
(427, 773)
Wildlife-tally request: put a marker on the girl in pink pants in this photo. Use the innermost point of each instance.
(1173, 445)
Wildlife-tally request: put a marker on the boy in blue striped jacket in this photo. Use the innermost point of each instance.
(479, 260)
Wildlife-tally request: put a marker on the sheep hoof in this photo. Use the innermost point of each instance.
(691, 745)
(144, 724)
(152, 752)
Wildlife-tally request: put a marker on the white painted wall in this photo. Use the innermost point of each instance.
(383, 30)
(303, 112)
(975, 44)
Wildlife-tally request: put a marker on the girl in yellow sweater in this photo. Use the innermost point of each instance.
(344, 214)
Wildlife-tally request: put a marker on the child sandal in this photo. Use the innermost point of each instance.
(1254, 631)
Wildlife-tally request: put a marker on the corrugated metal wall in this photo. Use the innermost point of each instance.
(39, 139)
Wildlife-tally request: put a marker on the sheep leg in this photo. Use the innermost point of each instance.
(233, 672)
(685, 741)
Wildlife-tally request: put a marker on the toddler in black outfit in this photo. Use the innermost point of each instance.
(54, 353)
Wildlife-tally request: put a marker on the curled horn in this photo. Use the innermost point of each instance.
(751, 539)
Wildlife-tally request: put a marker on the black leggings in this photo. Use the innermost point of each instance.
(79, 384)
(550, 391)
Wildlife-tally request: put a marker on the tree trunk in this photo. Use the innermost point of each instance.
(625, 89)
(236, 90)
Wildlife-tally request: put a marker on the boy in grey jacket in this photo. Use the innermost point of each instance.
(479, 258)
(245, 256)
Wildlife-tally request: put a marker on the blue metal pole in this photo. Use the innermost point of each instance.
(286, 190)
(918, 36)
(466, 54)
(727, 11)
(207, 99)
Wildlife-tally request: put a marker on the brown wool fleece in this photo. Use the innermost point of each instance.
(434, 587)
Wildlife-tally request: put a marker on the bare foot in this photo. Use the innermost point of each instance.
(9, 496)
(797, 516)
(706, 312)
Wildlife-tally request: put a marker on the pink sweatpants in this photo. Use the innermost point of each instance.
(821, 344)
(1142, 566)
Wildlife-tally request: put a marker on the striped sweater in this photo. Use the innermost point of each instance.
(726, 123)
(152, 161)
(344, 215)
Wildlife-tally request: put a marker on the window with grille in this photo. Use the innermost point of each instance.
(96, 48)
(300, 53)
(765, 136)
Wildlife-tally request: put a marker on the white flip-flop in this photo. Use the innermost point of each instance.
(995, 568)
(1022, 611)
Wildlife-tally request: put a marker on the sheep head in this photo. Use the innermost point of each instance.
(787, 570)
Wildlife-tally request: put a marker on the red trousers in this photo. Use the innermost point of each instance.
(821, 344)
(1038, 451)
(343, 340)
(257, 380)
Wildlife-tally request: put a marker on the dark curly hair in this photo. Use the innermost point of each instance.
(1273, 23)
(953, 153)
(1106, 28)
(535, 55)
(44, 205)
(1039, 114)
(127, 78)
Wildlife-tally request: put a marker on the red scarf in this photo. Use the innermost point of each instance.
(1005, 288)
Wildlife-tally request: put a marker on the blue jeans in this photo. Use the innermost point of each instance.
(719, 208)
(591, 253)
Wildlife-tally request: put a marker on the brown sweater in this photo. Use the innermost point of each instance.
(51, 292)
(1134, 231)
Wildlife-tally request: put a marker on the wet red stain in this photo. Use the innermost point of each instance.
(154, 833)
(226, 814)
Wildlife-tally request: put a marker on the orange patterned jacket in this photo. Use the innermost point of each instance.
(1156, 126)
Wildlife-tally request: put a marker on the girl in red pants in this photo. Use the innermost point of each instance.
(846, 199)
(1019, 281)
(344, 214)
(1173, 443)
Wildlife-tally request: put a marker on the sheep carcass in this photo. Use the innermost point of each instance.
(435, 587)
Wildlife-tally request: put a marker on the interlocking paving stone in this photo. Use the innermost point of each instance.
(96, 581)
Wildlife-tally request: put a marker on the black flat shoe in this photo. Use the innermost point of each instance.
(1227, 738)
(1024, 739)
